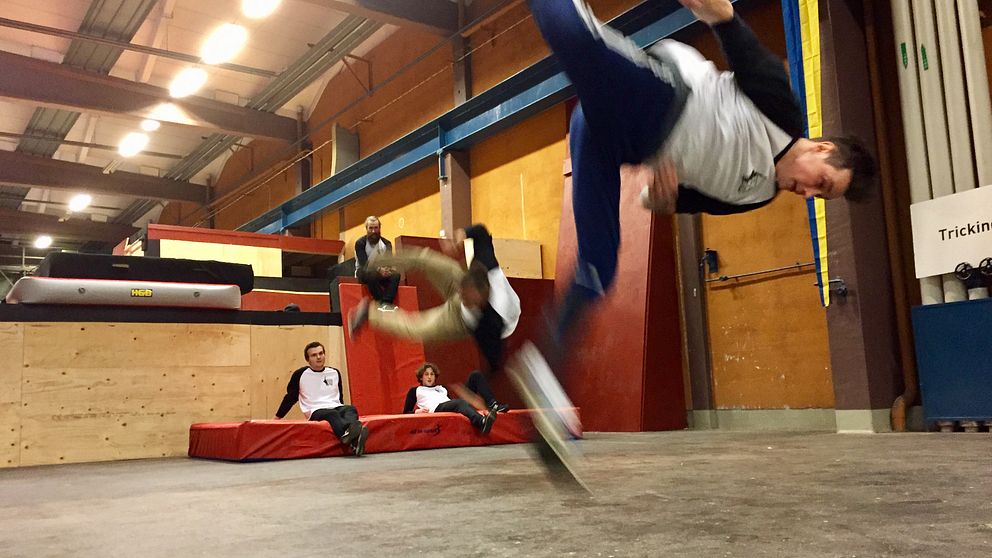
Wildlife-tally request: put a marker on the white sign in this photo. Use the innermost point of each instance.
(952, 229)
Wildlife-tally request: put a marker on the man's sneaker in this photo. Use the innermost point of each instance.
(358, 446)
(500, 407)
(488, 420)
(387, 307)
(533, 373)
(349, 436)
(358, 317)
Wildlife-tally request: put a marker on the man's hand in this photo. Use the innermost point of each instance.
(419, 410)
(710, 11)
(454, 247)
(659, 184)
(276, 418)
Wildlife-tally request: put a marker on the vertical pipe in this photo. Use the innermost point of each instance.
(956, 104)
(916, 155)
(962, 163)
(935, 120)
(978, 88)
(907, 363)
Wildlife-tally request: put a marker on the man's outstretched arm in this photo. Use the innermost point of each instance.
(758, 72)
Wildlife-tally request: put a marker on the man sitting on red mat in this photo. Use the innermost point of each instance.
(318, 390)
(431, 397)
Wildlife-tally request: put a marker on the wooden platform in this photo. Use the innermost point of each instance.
(76, 392)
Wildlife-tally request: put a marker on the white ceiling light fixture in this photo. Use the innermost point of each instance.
(42, 242)
(80, 202)
(169, 112)
(187, 82)
(223, 44)
(257, 9)
(132, 144)
(150, 125)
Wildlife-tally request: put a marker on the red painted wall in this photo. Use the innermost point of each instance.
(381, 368)
(624, 369)
(276, 301)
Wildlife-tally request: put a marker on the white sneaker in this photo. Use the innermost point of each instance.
(553, 415)
(547, 391)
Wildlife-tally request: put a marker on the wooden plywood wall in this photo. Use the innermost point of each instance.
(517, 182)
(519, 258)
(72, 392)
(277, 352)
(11, 355)
(768, 333)
(408, 207)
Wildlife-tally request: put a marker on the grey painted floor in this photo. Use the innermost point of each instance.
(658, 494)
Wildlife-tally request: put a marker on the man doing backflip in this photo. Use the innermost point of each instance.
(699, 140)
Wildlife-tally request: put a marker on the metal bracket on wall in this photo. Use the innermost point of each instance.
(710, 262)
(368, 66)
(835, 286)
(442, 167)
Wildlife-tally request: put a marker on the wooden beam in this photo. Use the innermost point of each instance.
(29, 224)
(63, 87)
(41, 172)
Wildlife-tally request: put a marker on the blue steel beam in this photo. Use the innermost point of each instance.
(517, 98)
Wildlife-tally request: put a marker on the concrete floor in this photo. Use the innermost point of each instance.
(656, 494)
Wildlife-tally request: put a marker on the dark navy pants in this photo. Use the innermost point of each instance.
(622, 108)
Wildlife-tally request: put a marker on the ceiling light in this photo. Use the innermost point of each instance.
(132, 144)
(42, 242)
(168, 112)
(80, 202)
(257, 9)
(223, 44)
(187, 82)
(150, 125)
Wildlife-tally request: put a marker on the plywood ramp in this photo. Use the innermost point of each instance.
(11, 356)
(78, 392)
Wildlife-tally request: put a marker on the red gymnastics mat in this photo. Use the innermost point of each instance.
(282, 439)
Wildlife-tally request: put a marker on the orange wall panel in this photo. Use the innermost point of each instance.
(517, 182)
(511, 42)
(768, 334)
(503, 47)
(413, 98)
(410, 206)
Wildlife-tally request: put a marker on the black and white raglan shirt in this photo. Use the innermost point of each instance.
(498, 318)
(426, 397)
(502, 297)
(313, 390)
(733, 127)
